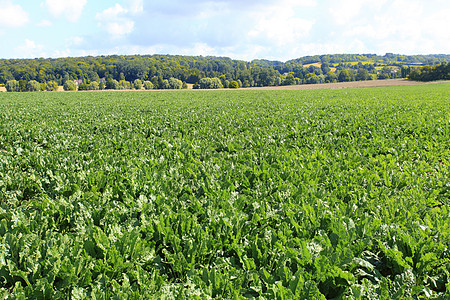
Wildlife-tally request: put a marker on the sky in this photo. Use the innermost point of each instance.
(239, 29)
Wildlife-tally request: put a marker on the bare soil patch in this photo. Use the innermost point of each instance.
(337, 85)
(344, 85)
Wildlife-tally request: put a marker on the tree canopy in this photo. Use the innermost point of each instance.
(128, 70)
(431, 73)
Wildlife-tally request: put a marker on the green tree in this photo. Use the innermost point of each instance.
(69, 85)
(5, 76)
(83, 86)
(289, 79)
(325, 67)
(109, 84)
(429, 73)
(362, 75)
(246, 83)
(137, 84)
(165, 84)
(224, 81)
(66, 77)
(33, 86)
(52, 86)
(175, 84)
(210, 83)
(93, 76)
(148, 85)
(93, 86)
(344, 76)
(12, 86)
(22, 85)
(233, 84)
(112, 84)
(330, 77)
(124, 85)
(311, 78)
(385, 73)
(157, 82)
(405, 71)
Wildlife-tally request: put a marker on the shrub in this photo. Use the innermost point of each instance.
(175, 84)
(233, 84)
(137, 84)
(69, 85)
(210, 83)
(33, 86)
(148, 85)
(22, 85)
(124, 85)
(12, 86)
(83, 87)
(93, 86)
(112, 84)
(165, 84)
(52, 86)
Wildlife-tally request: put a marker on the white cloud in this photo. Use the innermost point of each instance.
(378, 20)
(347, 12)
(30, 50)
(120, 28)
(89, 53)
(111, 13)
(62, 53)
(199, 49)
(399, 26)
(115, 20)
(343, 11)
(12, 15)
(436, 26)
(225, 27)
(135, 6)
(74, 41)
(71, 9)
(280, 27)
(248, 29)
(44, 23)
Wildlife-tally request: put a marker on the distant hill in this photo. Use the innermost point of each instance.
(191, 69)
(388, 58)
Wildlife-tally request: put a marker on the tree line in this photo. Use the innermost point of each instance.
(431, 73)
(174, 71)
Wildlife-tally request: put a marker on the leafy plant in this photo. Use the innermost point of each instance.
(325, 194)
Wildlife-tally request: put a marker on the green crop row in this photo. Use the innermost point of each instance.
(317, 194)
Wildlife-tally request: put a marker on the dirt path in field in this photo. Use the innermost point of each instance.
(343, 85)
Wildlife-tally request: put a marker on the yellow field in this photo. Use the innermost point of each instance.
(333, 69)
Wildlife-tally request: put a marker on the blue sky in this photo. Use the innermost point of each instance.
(240, 29)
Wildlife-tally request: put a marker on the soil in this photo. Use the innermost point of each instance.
(343, 85)
(337, 85)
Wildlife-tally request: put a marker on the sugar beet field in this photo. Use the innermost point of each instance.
(324, 194)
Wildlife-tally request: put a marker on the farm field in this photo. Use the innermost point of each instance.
(277, 194)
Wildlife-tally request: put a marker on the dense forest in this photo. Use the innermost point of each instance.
(431, 73)
(173, 71)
